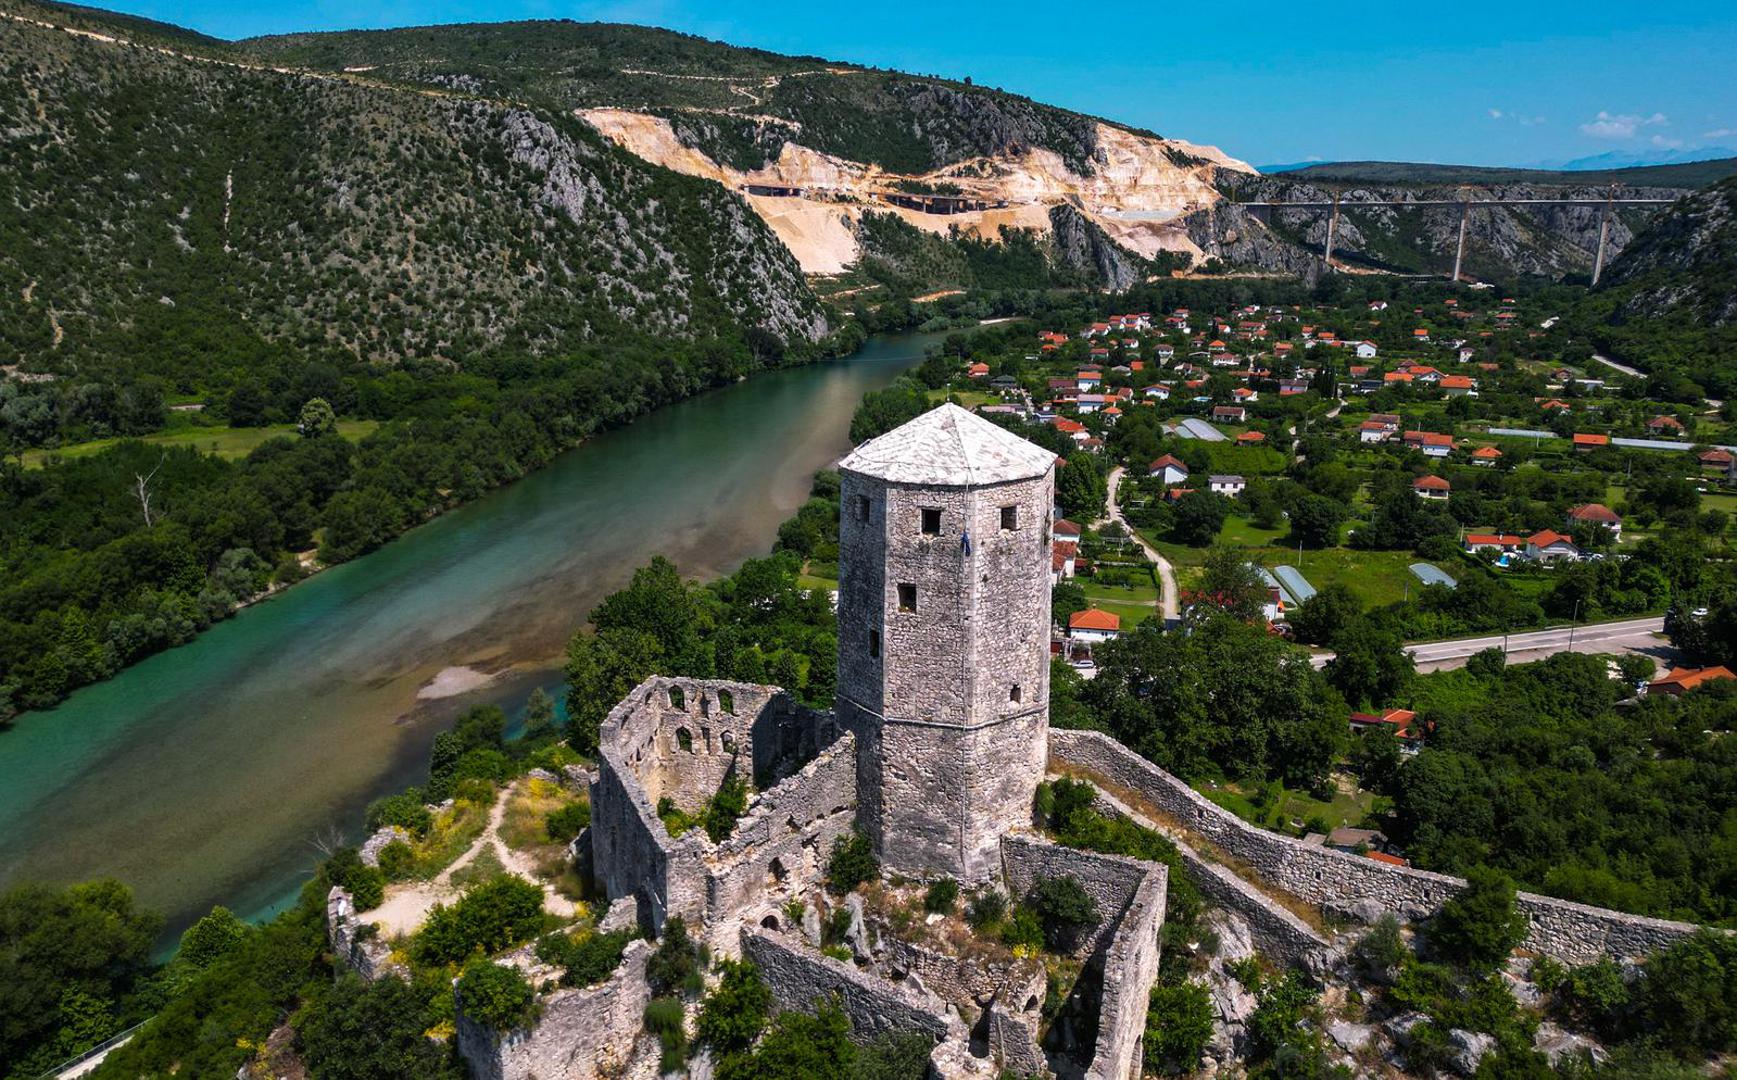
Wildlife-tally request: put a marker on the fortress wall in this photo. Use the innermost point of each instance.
(1112, 881)
(1130, 969)
(801, 979)
(781, 845)
(1277, 931)
(582, 1034)
(1570, 932)
(355, 945)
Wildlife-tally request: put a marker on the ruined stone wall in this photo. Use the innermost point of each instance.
(1340, 881)
(968, 981)
(1130, 969)
(951, 713)
(353, 938)
(1112, 881)
(801, 979)
(1277, 931)
(780, 847)
(582, 1034)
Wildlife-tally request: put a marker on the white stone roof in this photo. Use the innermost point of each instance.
(949, 447)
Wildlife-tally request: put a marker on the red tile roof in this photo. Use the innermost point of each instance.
(1682, 680)
(1431, 483)
(1598, 512)
(1094, 619)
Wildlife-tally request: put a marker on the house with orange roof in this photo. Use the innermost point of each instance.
(1486, 456)
(1716, 459)
(1500, 543)
(1680, 681)
(1596, 514)
(978, 371)
(1094, 624)
(1402, 722)
(1431, 487)
(1459, 386)
(1548, 545)
(1584, 442)
(1169, 469)
(1251, 438)
(1665, 425)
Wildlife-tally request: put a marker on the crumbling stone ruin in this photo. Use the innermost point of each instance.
(934, 751)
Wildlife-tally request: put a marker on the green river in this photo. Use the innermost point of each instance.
(207, 774)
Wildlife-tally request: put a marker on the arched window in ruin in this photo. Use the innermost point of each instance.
(727, 702)
(770, 922)
(776, 873)
(677, 700)
(1014, 694)
(685, 739)
(729, 741)
(705, 705)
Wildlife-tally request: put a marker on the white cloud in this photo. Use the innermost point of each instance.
(1719, 133)
(1531, 121)
(1666, 144)
(1495, 114)
(1620, 126)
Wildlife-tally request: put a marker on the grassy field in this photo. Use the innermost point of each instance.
(1377, 577)
(969, 399)
(225, 442)
(1291, 811)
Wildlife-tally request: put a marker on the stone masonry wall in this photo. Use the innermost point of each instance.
(582, 1033)
(354, 944)
(1573, 933)
(1130, 969)
(778, 847)
(1112, 881)
(801, 979)
(1279, 933)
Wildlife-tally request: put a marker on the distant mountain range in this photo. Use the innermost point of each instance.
(1623, 159)
(1684, 174)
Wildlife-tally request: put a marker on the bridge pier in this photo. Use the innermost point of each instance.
(1332, 227)
(1460, 246)
(1603, 239)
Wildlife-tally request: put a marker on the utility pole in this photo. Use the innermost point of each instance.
(1603, 236)
(1571, 625)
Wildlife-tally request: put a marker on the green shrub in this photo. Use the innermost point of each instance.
(405, 810)
(734, 1013)
(365, 884)
(1178, 1026)
(568, 822)
(986, 909)
(397, 860)
(1479, 926)
(726, 807)
(1382, 950)
(852, 863)
(1064, 908)
(1024, 928)
(588, 961)
(496, 995)
(495, 915)
(675, 965)
(665, 1019)
(942, 896)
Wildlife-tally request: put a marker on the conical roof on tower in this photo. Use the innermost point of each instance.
(949, 447)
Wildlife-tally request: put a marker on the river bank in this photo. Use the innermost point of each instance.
(209, 773)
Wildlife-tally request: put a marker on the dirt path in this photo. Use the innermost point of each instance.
(406, 906)
(1169, 602)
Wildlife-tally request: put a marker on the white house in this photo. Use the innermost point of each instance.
(1094, 625)
(1596, 514)
(1228, 485)
(1169, 470)
(1551, 546)
(1366, 350)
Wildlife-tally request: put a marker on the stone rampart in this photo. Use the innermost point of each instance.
(1130, 969)
(801, 979)
(1110, 880)
(1573, 933)
(582, 1034)
(967, 981)
(1278, 931)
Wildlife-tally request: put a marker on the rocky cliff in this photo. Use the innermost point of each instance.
(1684, 263)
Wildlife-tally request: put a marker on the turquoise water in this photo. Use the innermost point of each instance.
(211, 773)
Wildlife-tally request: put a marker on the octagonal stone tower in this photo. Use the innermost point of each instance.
(943, 637)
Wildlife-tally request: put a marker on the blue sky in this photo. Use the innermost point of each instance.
(1472, 82)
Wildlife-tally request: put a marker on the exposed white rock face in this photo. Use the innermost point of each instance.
(1350, 1037)
(1138, 190)
(1469, 1048)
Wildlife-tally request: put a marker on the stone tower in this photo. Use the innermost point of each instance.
(943, 637)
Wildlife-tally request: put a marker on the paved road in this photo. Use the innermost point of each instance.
(1628, 636)
(1168, 603)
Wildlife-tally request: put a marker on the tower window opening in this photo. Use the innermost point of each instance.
(907, 597)
(931, 521)
(874, 644)
(862, 508)
(1014, 694)
(685, 740)
(1010, 518)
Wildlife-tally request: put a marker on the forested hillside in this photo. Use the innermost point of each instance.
(1670, 301)
(896, 120)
